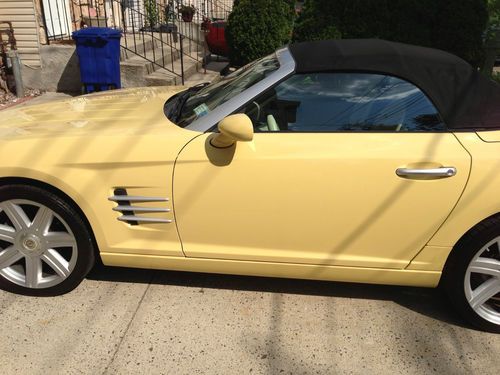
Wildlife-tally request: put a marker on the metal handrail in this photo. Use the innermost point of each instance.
(133, 14)
(167, 34)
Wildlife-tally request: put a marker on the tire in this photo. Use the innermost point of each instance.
(462, 284)
(45, 246)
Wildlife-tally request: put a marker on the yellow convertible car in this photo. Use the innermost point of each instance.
(361, 161)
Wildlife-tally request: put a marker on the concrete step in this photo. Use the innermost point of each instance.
(135, 68)
(201, 77)
(144, 44)
(163, 77)
(139, 45)
(161, 57)
(139, 69)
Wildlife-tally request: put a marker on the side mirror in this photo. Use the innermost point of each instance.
(234, 128)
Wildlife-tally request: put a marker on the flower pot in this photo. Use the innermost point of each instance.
(187, 17)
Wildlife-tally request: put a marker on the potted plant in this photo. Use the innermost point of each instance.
(152, 13)
(187, 12)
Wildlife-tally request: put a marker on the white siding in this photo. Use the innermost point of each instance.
(22, 15)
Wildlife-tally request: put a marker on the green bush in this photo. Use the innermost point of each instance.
(455, 26)
(152, 12)
(461, 28)
(496, 76)
(315, 25)
(256, 28)
(494, 18)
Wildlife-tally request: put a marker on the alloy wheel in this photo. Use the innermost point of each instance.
(482, 282)
(37, 247)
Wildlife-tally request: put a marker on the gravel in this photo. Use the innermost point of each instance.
(8, 99)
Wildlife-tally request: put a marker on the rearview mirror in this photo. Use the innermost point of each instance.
(234, 128)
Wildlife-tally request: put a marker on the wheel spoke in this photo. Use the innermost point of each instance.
(59, 239)
(7, 233)
(43, 219)
(15, 214)
(486, 266)
(33, 271)
(9, 256)
(484, 292)
(55, 261)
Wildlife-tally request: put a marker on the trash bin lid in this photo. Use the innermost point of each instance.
(92, 32)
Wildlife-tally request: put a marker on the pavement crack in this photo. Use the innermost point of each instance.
(126, 329)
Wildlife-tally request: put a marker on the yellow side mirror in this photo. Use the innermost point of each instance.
(234, 128)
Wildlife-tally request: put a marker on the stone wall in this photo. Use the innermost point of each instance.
(60, 70)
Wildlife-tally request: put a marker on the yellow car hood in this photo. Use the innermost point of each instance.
(128, 111)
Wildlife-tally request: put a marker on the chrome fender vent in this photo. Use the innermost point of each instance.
(135, 215)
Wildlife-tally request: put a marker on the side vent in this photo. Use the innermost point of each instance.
(135, 215)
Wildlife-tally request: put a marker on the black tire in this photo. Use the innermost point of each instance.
(85, 244)
(456, 270)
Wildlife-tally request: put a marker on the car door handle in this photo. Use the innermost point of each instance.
(429, 172)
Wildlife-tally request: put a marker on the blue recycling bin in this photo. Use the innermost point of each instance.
(98, 50)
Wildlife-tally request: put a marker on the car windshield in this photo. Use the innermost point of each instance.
(197, 102)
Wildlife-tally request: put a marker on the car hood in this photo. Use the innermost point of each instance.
(124, 111)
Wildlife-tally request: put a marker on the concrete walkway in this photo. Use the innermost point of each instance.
(122, 321)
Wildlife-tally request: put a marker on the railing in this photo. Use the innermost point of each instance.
(7, 43)
(155, 30)
(165, 45)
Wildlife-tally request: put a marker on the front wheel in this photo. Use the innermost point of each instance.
(472, 277)
(45, 247)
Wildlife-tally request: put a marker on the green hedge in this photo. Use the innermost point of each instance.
(256, 28)
(496, 76)
(455, 26)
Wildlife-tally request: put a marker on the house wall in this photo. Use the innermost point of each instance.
(22, 14)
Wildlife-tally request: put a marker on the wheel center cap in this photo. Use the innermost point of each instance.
(31, 243)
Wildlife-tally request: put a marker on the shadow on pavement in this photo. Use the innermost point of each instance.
(429, 302)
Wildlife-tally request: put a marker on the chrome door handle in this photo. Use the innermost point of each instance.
(431, 172)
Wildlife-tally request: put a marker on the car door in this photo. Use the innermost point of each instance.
(349, 169)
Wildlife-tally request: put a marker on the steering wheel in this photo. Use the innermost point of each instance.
(272, 125)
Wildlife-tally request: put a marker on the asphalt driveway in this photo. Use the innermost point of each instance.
(123, 321)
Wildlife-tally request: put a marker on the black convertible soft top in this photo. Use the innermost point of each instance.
(464, 97)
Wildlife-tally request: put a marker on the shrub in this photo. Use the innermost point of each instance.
(494, 18)
(315, 25)
(460, 27)
(152, 12)
(256, 28)
(496, 76)
(455, 26)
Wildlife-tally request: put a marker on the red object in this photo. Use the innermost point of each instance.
(216, 38)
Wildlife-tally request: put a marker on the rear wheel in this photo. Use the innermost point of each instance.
(45, 247)
(472, 277)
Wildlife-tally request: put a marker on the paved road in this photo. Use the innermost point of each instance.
(122, 321)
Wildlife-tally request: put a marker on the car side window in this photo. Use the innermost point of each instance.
(342, 102)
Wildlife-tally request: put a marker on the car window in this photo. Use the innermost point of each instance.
(329, 102)
(204, 101)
